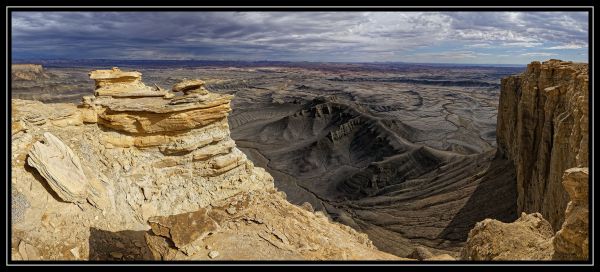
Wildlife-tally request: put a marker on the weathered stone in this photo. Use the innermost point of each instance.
(28, 252)
(528, 238)
(189, 85)
(213, 254)
(61, 168)
(543, 128)
(184, 228)
(571, 241)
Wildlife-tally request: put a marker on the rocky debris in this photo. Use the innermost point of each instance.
(183, 229)
(213, 254)
(75, 252)
(28, 252)
(19, 206)
(571, 241)
(61, 168)
(420, 253)
(528, 238)
(264, 226)
(543, 128)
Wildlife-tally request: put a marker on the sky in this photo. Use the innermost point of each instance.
(425, 37)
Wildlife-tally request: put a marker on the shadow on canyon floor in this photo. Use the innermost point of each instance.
(495, 197)
(124, 245)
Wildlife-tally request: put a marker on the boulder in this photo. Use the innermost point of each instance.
(60, 167)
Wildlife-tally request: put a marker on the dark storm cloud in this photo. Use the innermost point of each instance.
(328, 36)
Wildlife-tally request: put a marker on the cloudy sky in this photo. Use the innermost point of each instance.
(441, 37)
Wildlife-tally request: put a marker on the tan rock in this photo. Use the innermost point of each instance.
(571, 241)
(542, 128)
(186, 86)
(117, 83)
(441, 257)
(183, 229)
(28, 252)
(528, 238)
(61, 168)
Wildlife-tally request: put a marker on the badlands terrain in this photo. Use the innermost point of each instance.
(382, 161)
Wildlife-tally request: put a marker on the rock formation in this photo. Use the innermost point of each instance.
(543, 128)
(531, 237)
(528, 238)
(28, 72)
(571, 241)
(134, 157)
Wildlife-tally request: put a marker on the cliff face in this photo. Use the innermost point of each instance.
(90, 180)
(543, 128)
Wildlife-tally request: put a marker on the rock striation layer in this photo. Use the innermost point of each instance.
(571, 241)
(543, 128)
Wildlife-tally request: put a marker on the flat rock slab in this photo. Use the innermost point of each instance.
(61, 168)
(150, 104)
(184, 228)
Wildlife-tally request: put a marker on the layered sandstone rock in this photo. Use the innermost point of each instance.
(133, 158)
(571, 241)
(543, 128)
(117, 83)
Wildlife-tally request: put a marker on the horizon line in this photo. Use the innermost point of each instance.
(281, 61)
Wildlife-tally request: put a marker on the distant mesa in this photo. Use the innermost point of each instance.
(28, 72)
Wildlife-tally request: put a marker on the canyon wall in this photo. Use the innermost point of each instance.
(543, 128)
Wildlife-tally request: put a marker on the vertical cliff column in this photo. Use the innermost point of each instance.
(543, 128)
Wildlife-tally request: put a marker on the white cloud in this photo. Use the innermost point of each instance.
(538, 54)
(567, 46)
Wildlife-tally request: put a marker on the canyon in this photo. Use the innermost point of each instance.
(329, 163)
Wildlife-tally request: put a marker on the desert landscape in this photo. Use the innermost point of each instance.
(197, 160)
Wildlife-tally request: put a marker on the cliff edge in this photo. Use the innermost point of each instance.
(543, 128)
